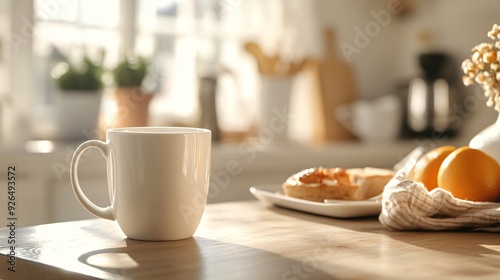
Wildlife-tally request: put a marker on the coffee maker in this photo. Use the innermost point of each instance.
(428, 99)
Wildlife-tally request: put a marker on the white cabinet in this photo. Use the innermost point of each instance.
(236, 168)
(29, 202)
(62, 203)
(67, 207)
(43, 190)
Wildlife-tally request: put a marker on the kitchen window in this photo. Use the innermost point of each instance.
(183, 39)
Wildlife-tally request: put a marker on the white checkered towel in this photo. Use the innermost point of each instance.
(407, 205)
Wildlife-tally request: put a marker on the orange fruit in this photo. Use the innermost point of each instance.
(470, 174)
(427, 167)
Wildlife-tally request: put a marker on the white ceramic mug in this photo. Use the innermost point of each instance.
(374, 121)
(158, 179)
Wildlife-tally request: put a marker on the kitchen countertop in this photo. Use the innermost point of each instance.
(249, 240)
(348, 154)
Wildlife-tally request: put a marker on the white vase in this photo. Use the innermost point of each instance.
(275, 95)
(77, 114)
(488, 140)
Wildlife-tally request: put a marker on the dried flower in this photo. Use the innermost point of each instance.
(484, 68)
(490, 57)
(467, 80)
(495, 31)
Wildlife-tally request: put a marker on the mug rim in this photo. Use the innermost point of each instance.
(158, 130)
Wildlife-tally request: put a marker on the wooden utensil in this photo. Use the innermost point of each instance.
(264, 64)
(273, 65)
(296, 67)
(334, 84)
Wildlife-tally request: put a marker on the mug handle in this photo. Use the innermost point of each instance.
(105, 213)
(343, 114)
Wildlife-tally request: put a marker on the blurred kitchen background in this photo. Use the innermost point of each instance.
(284, 85)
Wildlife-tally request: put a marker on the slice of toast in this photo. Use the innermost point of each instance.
(363, 183)
(371, 181)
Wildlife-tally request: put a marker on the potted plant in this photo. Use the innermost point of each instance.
(78, 97)
(132, 101)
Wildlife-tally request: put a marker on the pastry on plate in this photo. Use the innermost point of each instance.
(318, 184)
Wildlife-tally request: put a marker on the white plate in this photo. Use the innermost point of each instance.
(273, 194)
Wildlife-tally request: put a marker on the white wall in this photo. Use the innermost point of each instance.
(391, 56)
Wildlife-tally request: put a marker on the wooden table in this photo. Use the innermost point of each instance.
(248, 240)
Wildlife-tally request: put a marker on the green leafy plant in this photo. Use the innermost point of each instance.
(130, 72)
(83, 76)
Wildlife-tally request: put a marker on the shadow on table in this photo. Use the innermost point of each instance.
(475, 249)
(465, 243)
(462, 243)
(197, 258)
(368, 224)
